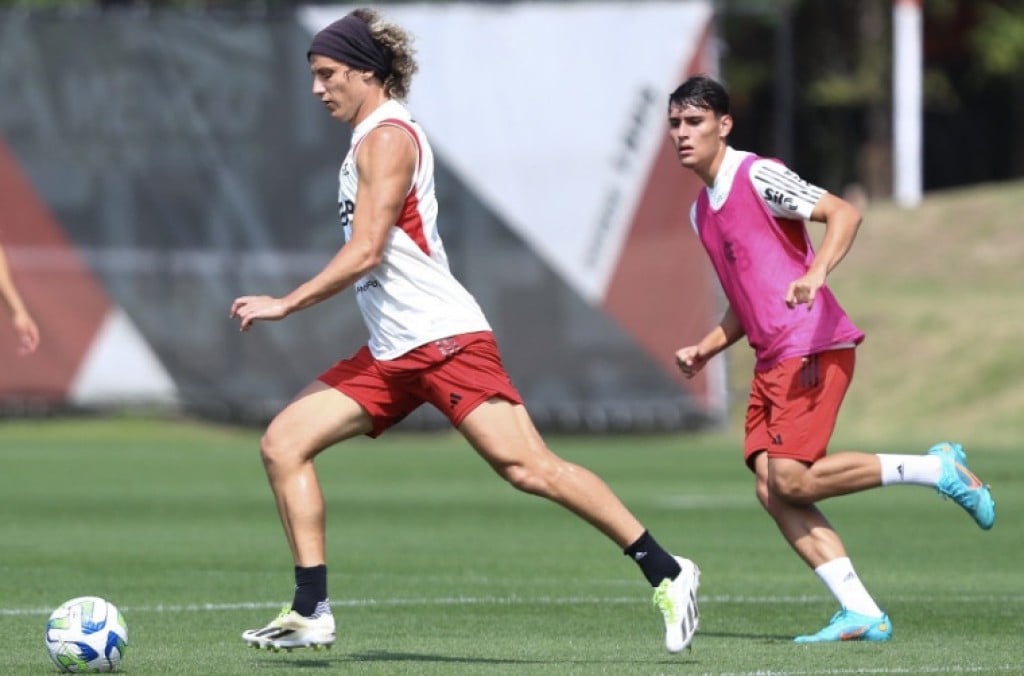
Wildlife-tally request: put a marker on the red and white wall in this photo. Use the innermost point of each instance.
(90, 354)
(137, 200)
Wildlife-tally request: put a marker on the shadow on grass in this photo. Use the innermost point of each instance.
(785, 638)
(387, 656)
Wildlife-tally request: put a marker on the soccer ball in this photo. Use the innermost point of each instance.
(87, 633)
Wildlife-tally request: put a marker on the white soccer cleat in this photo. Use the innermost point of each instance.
(677, 601)
(289, 630)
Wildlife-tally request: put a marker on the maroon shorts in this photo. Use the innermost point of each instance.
(793, 406)
(454, 374)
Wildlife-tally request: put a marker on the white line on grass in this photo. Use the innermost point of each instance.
(566, 600)
(484, 600)
(1003, 668)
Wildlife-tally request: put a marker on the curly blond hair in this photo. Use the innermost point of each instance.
(398, 41)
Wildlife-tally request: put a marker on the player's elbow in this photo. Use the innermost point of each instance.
(833, 210)
(846, 214)
(372, 260)
(367, 257)
(853, 216)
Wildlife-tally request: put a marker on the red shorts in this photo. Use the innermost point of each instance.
(793, 406)
(454, 374)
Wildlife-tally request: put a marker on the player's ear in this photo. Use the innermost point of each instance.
(724, 125)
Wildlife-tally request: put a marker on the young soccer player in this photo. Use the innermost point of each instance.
(429, 342)
(750, 219)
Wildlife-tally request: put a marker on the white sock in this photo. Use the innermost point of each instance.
(924, 470)
(840, 578)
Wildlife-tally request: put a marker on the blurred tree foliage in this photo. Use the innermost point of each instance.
(836, 62)
(998, 41)
(811, 82)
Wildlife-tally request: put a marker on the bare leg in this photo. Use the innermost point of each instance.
(805, 528)
(503, 434)
(832, 476)
(317, 418)
(810, 535)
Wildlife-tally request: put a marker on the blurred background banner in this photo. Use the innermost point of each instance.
(155, 165)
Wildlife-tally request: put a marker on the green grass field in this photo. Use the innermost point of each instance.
(437, 567)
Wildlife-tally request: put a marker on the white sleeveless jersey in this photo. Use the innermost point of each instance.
(411, 298)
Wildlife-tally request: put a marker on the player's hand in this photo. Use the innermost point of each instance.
(803, 291)
(690, 360)
(250, 308)
(27, 332)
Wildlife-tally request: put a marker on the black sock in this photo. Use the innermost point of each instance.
(655, 563)
(310, 588)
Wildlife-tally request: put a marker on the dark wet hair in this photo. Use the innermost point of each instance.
(701, 91)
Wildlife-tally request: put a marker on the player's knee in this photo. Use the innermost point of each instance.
(536, 478)
(273, 451)
(790, 488)
(763, 494)
(775, 506)
(268, 449)
(521, 477)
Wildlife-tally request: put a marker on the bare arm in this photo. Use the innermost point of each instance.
(386, 162)
(24, 326)
(691, 359)
(842, 220)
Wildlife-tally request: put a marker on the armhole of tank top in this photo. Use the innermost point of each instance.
(407, 128)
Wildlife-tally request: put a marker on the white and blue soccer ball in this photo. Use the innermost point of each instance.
(87, 634)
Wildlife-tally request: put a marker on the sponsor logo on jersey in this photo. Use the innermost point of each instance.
(345, 210)
(780, 198)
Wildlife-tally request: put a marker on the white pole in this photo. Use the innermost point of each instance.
(907, 102)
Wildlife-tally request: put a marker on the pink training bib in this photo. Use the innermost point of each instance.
(757, 256)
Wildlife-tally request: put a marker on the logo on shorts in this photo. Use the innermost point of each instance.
(454, 398)
(448, 346)
(776, 439)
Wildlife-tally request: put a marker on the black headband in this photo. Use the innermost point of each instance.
(349, 40)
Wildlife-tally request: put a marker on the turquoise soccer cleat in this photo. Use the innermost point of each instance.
(847, 625)
(960, 484)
